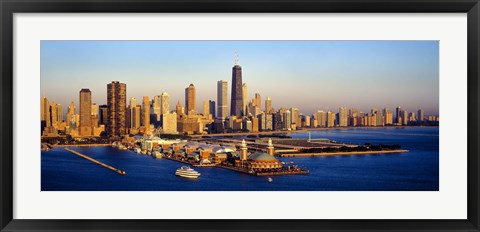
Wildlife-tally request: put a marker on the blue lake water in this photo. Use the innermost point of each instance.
(417, 170)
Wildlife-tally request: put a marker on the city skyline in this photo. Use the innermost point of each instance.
(382, 88)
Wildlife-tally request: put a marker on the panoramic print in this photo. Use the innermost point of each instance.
(239, 115)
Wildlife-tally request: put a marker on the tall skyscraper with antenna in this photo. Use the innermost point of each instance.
(237, 92)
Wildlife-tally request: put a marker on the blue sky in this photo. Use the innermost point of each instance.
(309, 75)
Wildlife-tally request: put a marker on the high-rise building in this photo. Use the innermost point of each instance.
(342, 116)
(165, 103)
(190, 100)
(330, 119)
(71, 115)
(398, 117)
(45, 112)
(321, 117)
(294, 113)
(85, 112)
(388, 116)
(59, 113)
(244, 99)
(206, 109)
(145, 112)
(287, 119)
(222, 99)
(116, 103)
(157, 108)
(258, 100)
(53, 114)
(103, 114)
(94, 115)
(169, 123)
(179, 109)
(268, 106)
(212, 108)
(237, 106)
(421, 115)
(136, 116)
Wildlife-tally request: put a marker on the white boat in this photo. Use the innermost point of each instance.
(270, 179)
(187, 172)
(138, 150)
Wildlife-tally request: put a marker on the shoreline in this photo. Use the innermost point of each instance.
(343, 153)
(83, 145)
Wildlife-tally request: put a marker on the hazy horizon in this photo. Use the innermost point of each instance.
(309, 75)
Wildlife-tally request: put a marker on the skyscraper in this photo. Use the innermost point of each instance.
(206, 108)
(116, 103)
(421, 115)
(165, 103)
(268, 106)
(244, 98)
(145, 112)
(222, 99)
(45, 112)
(53, 114)
(157, 108)
(398, 117)
(212, 108)
(103, 113)
(71, 115)
(59, 113)
(342, 116)
(85, 112)
(190, 100)
(258, 100)
(237, 104)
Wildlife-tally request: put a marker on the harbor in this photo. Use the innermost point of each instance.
(415, 170)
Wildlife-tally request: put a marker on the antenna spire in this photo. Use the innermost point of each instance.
(236, 58)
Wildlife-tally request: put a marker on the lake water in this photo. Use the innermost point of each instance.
(417, 170)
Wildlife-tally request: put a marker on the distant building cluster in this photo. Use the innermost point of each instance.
(151, 116)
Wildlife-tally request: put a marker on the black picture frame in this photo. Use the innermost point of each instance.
(9, 7)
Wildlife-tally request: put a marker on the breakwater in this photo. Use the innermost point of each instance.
(121, 172)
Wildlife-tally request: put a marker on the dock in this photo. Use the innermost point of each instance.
(121, 172)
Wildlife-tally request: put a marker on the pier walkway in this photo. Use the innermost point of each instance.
(96, 161)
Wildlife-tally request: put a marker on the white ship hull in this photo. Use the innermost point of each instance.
(187, 173)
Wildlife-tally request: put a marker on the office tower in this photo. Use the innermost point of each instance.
(421, 115)
(53, 114)
(294, 112)
(94, 115)
(212, 108)
(258, 100)
(261, 121)
(342, 116)
(59, 113)
(330, 119)
(157, 105)
(169, 123)
(206, 109)
(398, 115)
(190, 100)
(287, 119)
(404, 117)
(116, 113)
(411, 117)
(179, 109)
(269, 122)
(321, 117)
(71, 115)
(378, 117)
(353, 117)
(307, 121)
(222, 99)
(165, 103)
(145, 112)
(103, 113)
(85, 112)
(244, 98)
(268, 106)
(136, 117)
(237, 105)
(388, 116)
(45, 112)
(133, 102)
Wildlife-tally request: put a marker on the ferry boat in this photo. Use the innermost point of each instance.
(187, 172)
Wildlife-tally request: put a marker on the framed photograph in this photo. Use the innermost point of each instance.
(245, 116)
